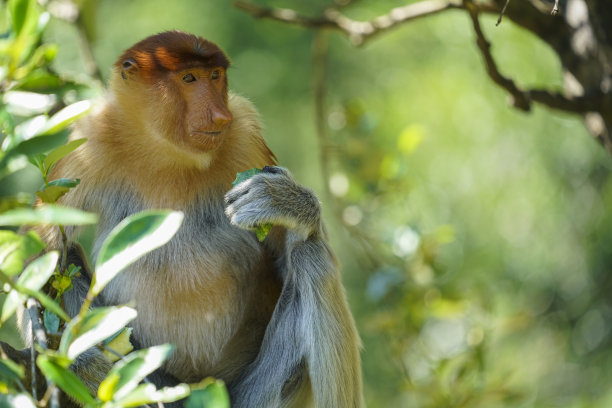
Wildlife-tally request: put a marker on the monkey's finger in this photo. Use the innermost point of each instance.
(248, 216)
(238, 191)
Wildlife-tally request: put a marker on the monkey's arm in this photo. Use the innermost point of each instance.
(311, 330)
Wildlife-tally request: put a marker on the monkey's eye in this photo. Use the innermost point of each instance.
(215, 74)
(189, 78)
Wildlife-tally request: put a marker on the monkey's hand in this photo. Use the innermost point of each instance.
(274, 197)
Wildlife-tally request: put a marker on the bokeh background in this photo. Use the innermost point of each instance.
(475, 240)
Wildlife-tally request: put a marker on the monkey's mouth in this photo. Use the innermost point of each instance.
(205, 140)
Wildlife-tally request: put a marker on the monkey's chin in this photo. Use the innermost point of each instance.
(205, 141)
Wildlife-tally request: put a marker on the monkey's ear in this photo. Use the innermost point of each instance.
(128, 67)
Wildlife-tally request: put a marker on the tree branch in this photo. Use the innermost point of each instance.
(522, 99)
(358, 32)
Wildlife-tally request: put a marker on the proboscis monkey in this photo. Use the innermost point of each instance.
(269, 318)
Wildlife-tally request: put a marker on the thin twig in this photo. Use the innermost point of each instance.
(520, 99)
(501, 13)
(64, 257)
(555, 10)
(40, 337)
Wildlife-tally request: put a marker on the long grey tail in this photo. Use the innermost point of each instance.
(311, 340)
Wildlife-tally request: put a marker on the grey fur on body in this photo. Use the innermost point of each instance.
(301, 350)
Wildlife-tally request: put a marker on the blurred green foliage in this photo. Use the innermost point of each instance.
(477, 255)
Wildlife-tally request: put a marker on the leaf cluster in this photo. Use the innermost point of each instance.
(35, 113)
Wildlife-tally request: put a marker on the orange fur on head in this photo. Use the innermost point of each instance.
(172, 51)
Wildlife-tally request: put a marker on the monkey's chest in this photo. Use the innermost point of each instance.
(192, 293)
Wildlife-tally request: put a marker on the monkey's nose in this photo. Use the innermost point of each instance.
(221, 117)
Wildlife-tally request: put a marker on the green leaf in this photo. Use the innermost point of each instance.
(126, 374)
(210, 393)
(65, 182)
(39, 80)
(33, 278)
(15, 249)
(64, 118)
(23, 14)
(11, 303)
(148, 394)
(19, 200)
(47, 215)
(7, 123)
(16, 401)
(245, 175)
(51, 321)
(46, 302)
(51, 194)
(135, 236)
(261, 231)
(10, 371)
(58, 153)
(98, 324)
(38, 272)
(32, 147)
(65, 379)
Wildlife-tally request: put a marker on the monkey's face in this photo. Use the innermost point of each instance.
(176, 85)
(207, 116)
